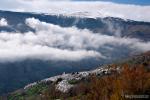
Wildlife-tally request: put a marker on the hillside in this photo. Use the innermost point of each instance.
(112, 82)
(25, 48)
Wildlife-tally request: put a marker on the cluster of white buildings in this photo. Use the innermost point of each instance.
(63, 85)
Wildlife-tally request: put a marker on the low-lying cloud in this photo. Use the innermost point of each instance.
(52, 42)
(3, 22)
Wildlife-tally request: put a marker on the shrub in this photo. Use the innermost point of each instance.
(73, 81)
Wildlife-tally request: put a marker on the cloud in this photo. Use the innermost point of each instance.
(79, 9)
(71, 37)
(52, 42)
(3, 22)
(43, 44)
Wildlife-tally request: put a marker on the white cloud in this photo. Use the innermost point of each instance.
(52, 42)
(41, 45)
(75, 38)
(3, 22)
(82, 9)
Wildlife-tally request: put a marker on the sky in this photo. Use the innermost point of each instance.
(137, 2)
(4, 4)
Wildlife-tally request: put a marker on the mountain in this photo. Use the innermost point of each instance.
(79, 85)
(16, 74)
(107, 25)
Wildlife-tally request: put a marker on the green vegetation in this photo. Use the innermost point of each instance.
(73, 81)
(31, 92)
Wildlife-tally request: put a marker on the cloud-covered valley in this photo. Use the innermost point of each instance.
(52, 42)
